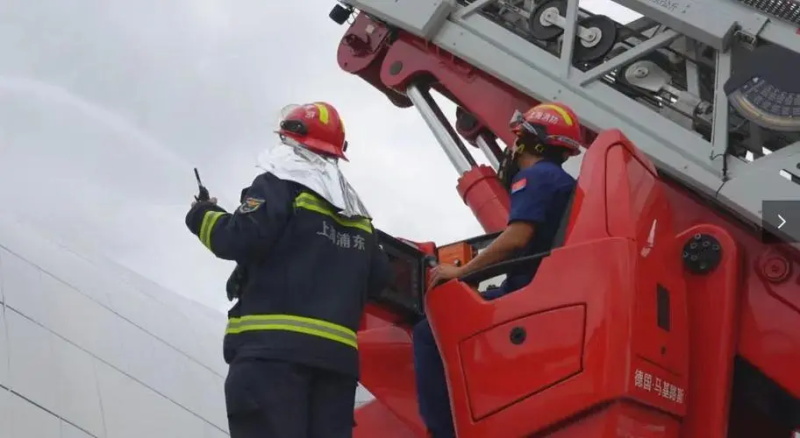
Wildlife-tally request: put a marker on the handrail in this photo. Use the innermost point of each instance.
(502, 268)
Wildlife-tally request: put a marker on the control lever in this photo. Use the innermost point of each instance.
(430, 261)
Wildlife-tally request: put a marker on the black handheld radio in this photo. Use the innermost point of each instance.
(203, 192)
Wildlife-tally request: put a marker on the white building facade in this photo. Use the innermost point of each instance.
(89, 349)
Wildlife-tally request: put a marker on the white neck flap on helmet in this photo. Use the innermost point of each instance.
(290, 160)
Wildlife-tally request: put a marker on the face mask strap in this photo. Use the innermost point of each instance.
(538, 148)
(508, 167)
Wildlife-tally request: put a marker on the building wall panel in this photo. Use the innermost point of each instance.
(89, 349)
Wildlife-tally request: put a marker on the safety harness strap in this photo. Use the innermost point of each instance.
(293, 323)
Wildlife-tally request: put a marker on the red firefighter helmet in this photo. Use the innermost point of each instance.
(551, 124)
(317, 126)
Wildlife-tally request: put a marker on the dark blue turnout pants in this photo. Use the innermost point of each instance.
(276, 399)
(432, 395)
(434, 402)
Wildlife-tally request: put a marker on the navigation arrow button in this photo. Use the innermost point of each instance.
(780, 221)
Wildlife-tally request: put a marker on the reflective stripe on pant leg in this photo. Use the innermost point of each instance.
(432, 395)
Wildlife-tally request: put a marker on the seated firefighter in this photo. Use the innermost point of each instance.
(540, 190)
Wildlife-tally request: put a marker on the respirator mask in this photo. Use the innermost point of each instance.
(528, 135)
(508, 168)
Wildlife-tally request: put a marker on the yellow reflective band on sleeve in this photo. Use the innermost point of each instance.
(324, 117)
(310, 202)
(292, 323)
(564, 115)
(209, 220)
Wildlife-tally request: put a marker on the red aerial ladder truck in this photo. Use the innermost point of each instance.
(670, 306)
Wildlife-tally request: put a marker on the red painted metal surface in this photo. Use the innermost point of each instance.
(712, 322)
(550, 353)
(615, 349)
(387, 368)
(625, 238)
(486, 197)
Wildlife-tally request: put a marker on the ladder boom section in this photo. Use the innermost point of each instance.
(700, 86)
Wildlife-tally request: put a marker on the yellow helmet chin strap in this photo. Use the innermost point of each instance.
(538, 148)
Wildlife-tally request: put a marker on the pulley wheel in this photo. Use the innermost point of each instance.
(537, 26)
(605, 32)
(622, 74)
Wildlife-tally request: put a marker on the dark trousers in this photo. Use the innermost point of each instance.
(276, 399)
(432, 394)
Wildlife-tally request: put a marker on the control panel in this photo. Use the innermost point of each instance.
(406, 289)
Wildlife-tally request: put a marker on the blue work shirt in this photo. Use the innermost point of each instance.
(540, 195)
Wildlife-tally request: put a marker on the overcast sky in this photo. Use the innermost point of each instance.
(107, 105)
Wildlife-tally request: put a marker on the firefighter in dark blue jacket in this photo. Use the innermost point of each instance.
(307, 258)
(540, 189)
